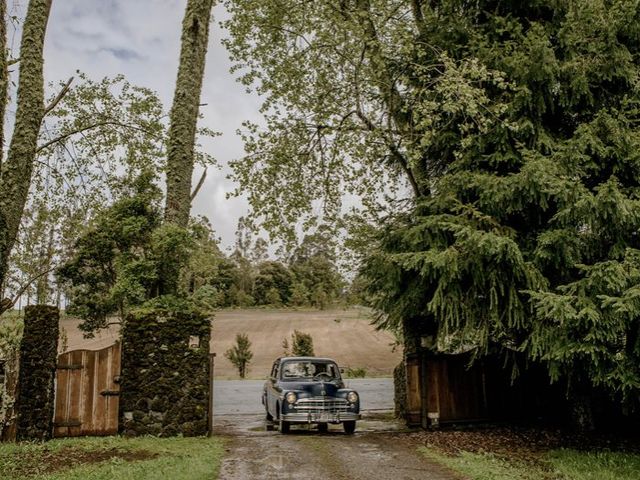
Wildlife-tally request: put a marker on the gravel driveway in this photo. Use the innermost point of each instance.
(381, 448)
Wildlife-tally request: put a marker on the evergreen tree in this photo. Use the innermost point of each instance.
(527, 241)
(240, 354)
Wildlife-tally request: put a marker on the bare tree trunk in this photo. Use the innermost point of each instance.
(184, 112)
(15, 177)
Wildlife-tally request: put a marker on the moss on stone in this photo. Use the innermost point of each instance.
(165, 383)
(38, 359)
(400, 390)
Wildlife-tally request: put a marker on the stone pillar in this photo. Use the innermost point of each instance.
(165, 384)
(38, 359)
(400, 390)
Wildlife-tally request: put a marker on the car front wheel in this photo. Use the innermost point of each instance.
(285, 427)
(349, 427)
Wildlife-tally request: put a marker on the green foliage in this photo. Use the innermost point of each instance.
(208, 298)
(116, 264)
(240, 354)
(527, 241)
(309, 277)
(326, 129)
(299, 294)
(356, 372)
(11, 328)
(171, 249)
(301, 344)
(272, 279)
(315, 271)
(273, 297)
(319, 298)
(285, 347)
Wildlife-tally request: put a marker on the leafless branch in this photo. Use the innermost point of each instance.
(6, 303)
(199, 185)
(60, 96)
(84, 129)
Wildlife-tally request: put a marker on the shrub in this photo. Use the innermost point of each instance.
(301, 344)
(359, 372)
(240, 354)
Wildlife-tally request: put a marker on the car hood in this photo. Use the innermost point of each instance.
(314, 389)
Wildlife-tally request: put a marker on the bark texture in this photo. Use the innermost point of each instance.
(4, 74)
(184, 112)
(15, 177)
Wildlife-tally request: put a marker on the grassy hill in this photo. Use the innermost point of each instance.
(345, 335)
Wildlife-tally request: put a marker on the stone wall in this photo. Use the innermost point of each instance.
(38, 358)
(165, 384)
(400, 390)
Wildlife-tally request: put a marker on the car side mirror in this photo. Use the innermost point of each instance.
(341, 370)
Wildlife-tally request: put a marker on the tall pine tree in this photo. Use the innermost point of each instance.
(528, 238)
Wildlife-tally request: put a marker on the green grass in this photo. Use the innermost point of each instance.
(556, 465)
(485, 466)
(596, 465)
(111, 458)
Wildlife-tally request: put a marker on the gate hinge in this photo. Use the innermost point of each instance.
(77, 366)
(110, 393)
(70, 423)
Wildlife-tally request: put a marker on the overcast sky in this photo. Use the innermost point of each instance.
(141, 39)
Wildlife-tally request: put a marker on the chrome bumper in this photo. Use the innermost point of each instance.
(320, 417)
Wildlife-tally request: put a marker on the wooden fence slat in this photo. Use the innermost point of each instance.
(87, 391)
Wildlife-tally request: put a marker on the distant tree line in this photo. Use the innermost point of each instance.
(126, 256)
(307, 277)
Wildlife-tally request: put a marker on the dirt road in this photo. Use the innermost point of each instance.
(379, 450)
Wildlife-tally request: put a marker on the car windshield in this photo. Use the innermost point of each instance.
(309, 369)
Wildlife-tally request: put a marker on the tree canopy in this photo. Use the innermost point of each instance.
(514, 126)
(528, 239)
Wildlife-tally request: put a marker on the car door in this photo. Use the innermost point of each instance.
(271, 393)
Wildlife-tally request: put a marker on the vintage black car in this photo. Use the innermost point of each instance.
(309, 390)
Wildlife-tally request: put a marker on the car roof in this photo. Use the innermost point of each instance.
(321, 359)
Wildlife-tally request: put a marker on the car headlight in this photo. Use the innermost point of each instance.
(291, 397)
(352, 397)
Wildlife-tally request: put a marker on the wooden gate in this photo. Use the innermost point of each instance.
(414, 414)
(87, 392)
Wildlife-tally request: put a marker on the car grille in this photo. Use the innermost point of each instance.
(322, 404)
